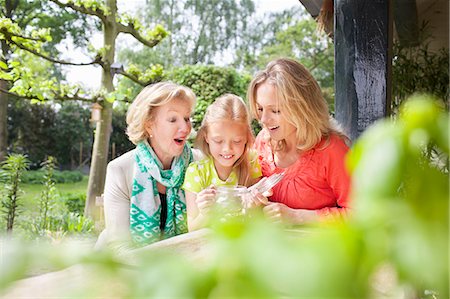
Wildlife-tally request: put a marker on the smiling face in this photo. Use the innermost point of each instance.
(169, 127)
(270, 114)
(227, 140)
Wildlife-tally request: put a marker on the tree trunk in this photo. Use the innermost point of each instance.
(3, 120)
(99, 161)
(4, 85)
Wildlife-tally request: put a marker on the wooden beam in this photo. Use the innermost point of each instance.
(363, 43)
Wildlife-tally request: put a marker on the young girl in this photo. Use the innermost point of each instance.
(225, 137)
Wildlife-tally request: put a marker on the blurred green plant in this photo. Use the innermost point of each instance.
(402, 198)
(58, 227)
(12, 169)
(47, 196)
(400, 219)
(74, 202)
(38, 176)
(74, 223)
(419, 70)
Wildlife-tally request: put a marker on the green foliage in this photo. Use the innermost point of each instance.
(401, 198)
(119, 140)
(58, 227)
(190, 43)
(208, 83)
(37, 142)
(73, 137)
(47, 197)
(398, 220)
(12, 168)
(38, 176)
(295, 35)
(418, 69)
(74, 223)
(74, 202)
(64, 133)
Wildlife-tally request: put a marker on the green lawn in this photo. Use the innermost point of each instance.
(32, 192)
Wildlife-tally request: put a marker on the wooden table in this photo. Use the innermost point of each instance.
(60, 284)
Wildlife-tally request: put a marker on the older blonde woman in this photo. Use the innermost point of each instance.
(299, 139)
(143, 199)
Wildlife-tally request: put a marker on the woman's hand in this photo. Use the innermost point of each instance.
(256, 199)
(279, 212)
(205, 200)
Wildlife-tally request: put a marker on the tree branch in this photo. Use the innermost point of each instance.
(98, 12)
(8, 37)
(57, 97)
(134, 78)
(130, 30)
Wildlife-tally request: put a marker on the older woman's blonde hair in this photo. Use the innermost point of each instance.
(300, 99)
(229, 107)
(142, 108)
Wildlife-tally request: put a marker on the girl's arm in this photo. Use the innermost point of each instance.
(198, 207)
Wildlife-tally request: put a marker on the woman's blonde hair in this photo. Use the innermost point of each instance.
(142, 108)
(229, 107)
(301, 102)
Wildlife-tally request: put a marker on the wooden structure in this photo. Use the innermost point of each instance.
(363, 31)
(74, 280)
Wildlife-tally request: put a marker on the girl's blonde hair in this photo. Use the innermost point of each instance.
(229, 107)
(142, 108)
(301, 102)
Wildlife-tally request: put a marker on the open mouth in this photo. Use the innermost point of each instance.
(273, 128)
(179, 141)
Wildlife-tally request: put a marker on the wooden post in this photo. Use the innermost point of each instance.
(363, 46)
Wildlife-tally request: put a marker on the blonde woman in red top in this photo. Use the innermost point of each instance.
(298, 138)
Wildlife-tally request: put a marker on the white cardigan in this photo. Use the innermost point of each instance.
(116, 198)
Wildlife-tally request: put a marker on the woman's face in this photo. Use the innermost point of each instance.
(226, 140)
(272, 118)
(169, 128)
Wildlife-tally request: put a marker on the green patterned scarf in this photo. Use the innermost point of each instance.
(145, 206)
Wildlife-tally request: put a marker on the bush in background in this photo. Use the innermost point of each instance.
(208, 83)
(74, 202)
(66, 176)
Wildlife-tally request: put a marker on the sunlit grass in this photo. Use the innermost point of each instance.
(32, 193)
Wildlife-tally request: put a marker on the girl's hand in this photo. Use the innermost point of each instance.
(279, 212)
(205, 200)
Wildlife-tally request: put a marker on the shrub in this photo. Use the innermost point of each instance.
(37, 177)
(62, 225)
(208, 83)
(74, 202)
(74, 223)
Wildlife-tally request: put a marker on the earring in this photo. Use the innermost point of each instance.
(151, 136)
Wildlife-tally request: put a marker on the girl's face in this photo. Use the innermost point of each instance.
(226, 140)
(170, 129)
(269, 114)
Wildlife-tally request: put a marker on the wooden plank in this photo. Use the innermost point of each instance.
(363, 43)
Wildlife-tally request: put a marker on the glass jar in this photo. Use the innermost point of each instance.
(230, 200)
